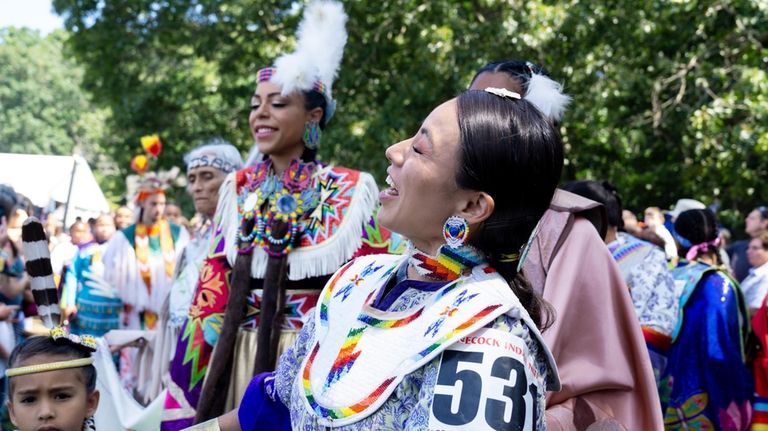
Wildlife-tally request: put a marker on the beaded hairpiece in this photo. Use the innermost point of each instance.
(503, 92)
(59, 333)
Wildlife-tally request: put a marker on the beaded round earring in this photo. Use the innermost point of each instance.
(455, 231)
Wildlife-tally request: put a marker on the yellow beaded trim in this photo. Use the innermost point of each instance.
(511, 257)
(87, 341)
(51, 366)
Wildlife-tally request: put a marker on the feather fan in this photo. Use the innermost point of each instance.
(40, 272)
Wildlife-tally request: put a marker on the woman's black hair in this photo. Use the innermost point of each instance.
(512, 152)
(601, 192)
(697, 226)
(519, 69)
(43, 345)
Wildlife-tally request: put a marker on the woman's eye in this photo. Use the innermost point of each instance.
(254, 106)
(278, 104)
(27, 400)
(416, 150)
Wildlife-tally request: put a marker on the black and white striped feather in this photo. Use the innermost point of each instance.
(38, 264)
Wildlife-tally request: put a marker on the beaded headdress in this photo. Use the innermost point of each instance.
(153, 183)
(319, 47)
(46, 298)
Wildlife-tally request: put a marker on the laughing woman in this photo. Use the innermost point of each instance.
(444, 337)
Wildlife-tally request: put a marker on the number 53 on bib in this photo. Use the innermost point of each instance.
(486, 381)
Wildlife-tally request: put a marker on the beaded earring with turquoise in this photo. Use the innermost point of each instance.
(312, 134)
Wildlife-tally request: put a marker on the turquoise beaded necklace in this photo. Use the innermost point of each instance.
(285, 199)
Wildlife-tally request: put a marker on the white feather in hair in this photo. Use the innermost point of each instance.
(319, 48)
(547, 95)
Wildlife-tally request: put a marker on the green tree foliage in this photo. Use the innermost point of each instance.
(43, 108)
(670, 97)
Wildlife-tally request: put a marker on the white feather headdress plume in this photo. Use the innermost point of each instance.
(547, 95)
(319, 48)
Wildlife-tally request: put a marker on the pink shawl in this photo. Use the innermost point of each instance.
(606, 374)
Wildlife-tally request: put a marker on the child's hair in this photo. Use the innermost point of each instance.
(43, 345)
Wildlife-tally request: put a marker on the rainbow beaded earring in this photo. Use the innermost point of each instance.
(455, 231)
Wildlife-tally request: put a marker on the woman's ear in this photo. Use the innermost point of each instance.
(315, 115)
(478, 207)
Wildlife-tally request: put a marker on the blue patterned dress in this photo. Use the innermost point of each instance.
(98, 308)
(707, 384)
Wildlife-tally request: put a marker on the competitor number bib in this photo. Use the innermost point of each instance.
(485, 383)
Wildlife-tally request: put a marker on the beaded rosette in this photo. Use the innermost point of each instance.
(266, 200)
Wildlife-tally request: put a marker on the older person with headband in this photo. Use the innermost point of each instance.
(596, 340)
(207, 166)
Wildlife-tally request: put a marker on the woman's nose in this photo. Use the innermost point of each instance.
(262, 111)
(395, 152)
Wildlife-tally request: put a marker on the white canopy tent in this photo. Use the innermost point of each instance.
(46, 181)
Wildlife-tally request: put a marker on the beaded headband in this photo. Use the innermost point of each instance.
(214, 162)
(51, 366)
(145, 194)
(267, 73)
(59, 333)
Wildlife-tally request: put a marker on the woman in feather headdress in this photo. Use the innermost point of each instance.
(283, 226)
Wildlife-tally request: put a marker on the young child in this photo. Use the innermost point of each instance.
(53, 383)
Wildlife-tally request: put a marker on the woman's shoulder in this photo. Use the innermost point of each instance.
(718, 277)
